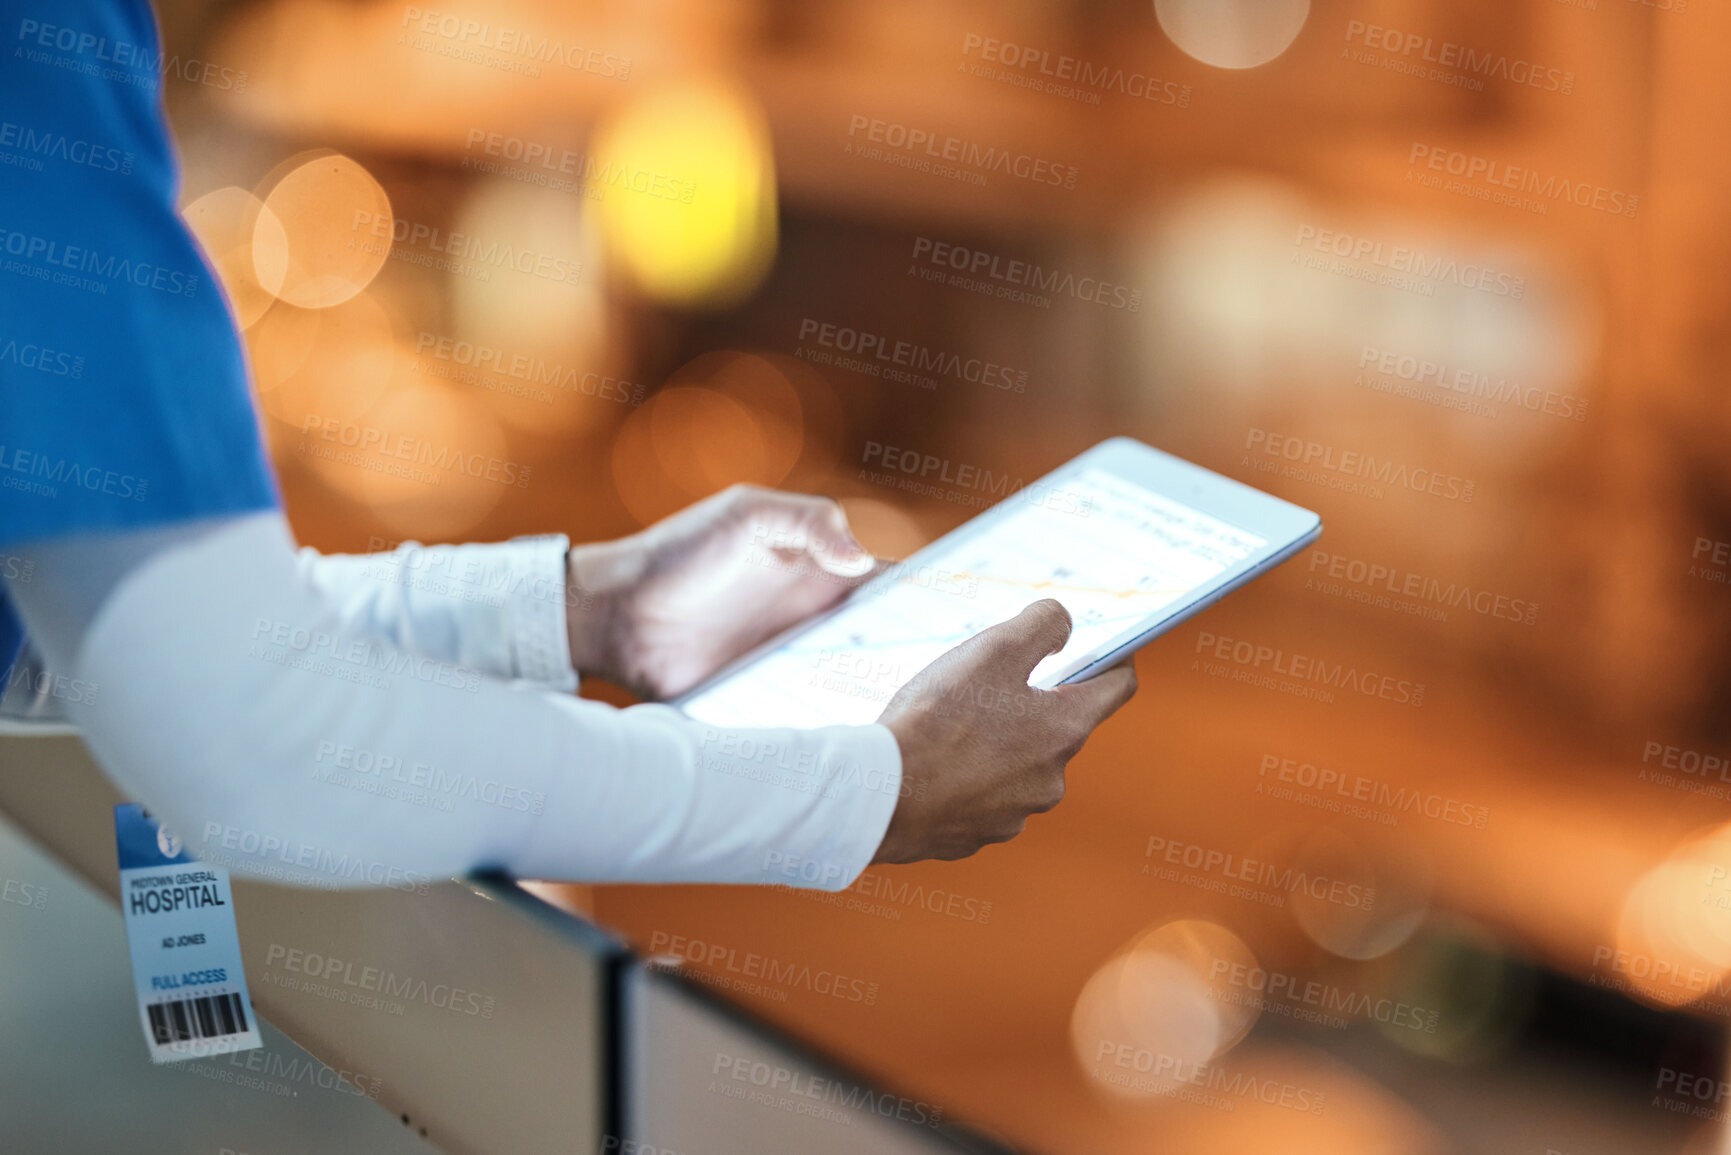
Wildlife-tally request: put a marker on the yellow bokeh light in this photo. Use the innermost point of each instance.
(332, 234)
(226, 222)
(689, 205)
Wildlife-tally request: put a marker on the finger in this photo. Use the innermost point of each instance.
(1020, 644)
(839, 585)
(835, 547)
(1099, 697)
(822, 528)
(878, 566)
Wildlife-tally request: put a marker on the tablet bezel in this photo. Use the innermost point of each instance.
(1285, 527)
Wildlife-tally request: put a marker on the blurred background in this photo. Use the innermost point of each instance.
(631, 253)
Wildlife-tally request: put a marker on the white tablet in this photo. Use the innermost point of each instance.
(1131, 540)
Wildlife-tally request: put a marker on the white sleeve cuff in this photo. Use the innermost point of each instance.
(859, 812)
(497, 608)
(540, 641)
(803, 808)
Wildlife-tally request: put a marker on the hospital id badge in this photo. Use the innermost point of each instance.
(192, 997)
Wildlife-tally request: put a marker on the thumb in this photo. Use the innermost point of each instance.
(1100, 696)
(1021, 643)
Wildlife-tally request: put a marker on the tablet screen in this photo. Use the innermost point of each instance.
(1113, 552)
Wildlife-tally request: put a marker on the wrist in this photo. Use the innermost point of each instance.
(894, 846)
(597, 576)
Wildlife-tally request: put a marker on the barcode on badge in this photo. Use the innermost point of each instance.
(210, 1017)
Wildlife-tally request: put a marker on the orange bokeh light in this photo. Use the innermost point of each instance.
(740, 424)
(229, 223)
(1674, 935)
(331, 233)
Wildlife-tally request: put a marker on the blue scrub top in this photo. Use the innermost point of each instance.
(123, 385)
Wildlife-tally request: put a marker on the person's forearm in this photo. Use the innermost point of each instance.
(228, 702)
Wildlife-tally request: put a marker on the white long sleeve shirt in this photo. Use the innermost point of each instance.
(395, 718)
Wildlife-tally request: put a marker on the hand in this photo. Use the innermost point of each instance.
(661, 610)
(989, 748)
